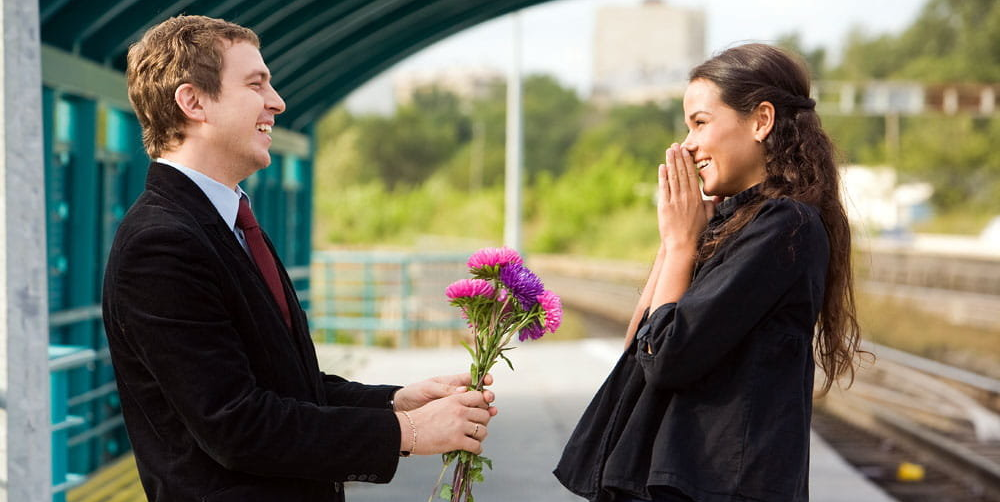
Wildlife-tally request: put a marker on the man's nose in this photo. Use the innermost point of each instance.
(274, 102)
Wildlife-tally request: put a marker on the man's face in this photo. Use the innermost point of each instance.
(243, 114)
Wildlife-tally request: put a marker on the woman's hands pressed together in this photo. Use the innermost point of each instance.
(681, 217)
(681, 213)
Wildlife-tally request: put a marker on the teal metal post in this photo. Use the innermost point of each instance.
(404, 298)
(368, 311)
(82, 249)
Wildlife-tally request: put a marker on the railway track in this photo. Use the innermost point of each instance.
(909, 409)
(903, 410)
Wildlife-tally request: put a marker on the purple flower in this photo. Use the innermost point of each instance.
(492, 257)
(533, 331)
(552, 306)
(469, 288)
(522, 283)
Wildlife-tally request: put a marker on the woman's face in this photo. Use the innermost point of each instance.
(723, 142)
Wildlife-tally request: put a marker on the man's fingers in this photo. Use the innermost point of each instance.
(473, 399)
(471, 445)
(478, 415)
(477, 431)
(456, 380)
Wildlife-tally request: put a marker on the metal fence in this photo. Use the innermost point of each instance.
(383, 298)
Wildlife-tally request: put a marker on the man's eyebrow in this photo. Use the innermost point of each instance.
(259, 73)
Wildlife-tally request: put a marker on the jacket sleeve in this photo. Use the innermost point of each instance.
(342, 392)
(172, 315)
(684, 341)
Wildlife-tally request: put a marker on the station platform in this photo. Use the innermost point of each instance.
(538, 404)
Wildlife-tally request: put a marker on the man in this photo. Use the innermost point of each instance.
(220, 388)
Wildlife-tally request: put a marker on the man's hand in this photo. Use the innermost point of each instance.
(455, 422)
(418, 394)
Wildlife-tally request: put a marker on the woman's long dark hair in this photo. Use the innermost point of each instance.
(800, 165)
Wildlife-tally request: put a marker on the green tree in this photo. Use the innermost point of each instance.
(815, 59)
(950, 41)
(407, 147)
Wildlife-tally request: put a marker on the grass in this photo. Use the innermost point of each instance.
(898, 325)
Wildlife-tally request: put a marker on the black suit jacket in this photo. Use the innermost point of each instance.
(222, 402)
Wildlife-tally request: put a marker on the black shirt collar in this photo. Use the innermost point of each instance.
(731, 204)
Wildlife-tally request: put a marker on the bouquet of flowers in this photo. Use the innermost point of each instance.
(503, 298)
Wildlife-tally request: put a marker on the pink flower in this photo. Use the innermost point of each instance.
(552, 306)
(469, 288)
(492, 257)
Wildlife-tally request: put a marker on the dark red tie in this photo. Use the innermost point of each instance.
(262, 255)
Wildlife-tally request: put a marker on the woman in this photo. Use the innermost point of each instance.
(712, 399)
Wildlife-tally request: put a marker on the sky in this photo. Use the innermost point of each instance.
(557, 35)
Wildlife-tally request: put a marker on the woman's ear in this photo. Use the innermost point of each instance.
(763, 121)
(189, 100)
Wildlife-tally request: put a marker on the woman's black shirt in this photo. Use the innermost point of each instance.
(714, 396)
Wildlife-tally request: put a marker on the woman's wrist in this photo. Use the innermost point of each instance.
(678, 247)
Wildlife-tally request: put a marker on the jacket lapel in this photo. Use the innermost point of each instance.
(176, 186)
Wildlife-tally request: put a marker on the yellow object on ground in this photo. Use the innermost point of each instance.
(117, 482)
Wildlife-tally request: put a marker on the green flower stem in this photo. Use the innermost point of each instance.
(500, 327)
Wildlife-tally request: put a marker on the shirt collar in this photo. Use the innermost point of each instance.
(226, 201)
(731, 204)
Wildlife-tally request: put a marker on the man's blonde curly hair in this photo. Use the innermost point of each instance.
(180, 50)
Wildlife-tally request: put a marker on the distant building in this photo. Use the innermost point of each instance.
(466, 83)
(876, 203)
(644, 52)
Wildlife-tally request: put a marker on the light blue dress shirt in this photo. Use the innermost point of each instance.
(226, 201)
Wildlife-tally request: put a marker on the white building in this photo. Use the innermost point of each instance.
(875, 203)
(644, 52)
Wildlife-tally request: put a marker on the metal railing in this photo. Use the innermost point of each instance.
(384, 298)
(62, 359)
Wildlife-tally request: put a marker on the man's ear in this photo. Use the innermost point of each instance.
(189, 99)
(763, 120)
